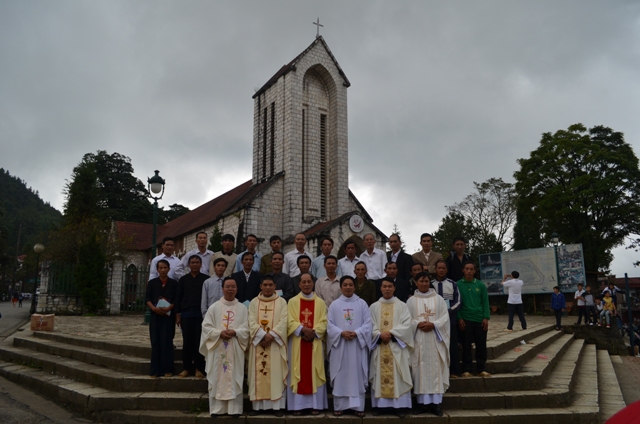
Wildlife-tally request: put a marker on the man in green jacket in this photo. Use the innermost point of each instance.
(473, 320)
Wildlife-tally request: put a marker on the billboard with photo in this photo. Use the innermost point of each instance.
(540, 269)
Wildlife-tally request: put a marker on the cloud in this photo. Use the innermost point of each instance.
(443, 93)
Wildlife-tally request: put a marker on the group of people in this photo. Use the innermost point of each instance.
(377, 322)
(596, 310)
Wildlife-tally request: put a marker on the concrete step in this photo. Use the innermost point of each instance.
(556, 392)
(103, 358)
(531, 376)
(95, 356)
(486, 416)
(139, 351)
(609, 395)
(506, 342)
(99, 376)
(520, 406)
(513, 359)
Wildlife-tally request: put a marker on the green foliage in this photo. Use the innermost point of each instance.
(82, 194)
(175, 211)
(583, 185)
(490, 211)
(455, 224)
(90, 274)
(215, 242)
(24, 212)
(122, 197)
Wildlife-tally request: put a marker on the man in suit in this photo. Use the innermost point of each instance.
(403, 260)
(427, 256)
(247, 280)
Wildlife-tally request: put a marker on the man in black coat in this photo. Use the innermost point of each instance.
(247, 279)
(403, 260)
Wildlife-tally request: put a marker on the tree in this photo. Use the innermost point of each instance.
(583, 185)
(175, 211)
(396, 230)
(215, 242)
(455, 224)
(90, 275)
(82, 194)
(123, 197)
(491, 211)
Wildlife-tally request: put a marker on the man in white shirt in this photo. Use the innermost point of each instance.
(205, 255)
(317, 266)
(291, 259)
(328, 287)
(212, 287)
(227, 253)
(375, 259)
(514, 302)
(250, 242)
(582, 306)
(348, 263)
(167, 255)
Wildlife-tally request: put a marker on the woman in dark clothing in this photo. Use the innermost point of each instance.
(162, 326)
(365, 289)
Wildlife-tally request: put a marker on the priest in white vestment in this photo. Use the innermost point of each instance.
(430, 357)
(392, 344)
(348, 342)
(267, 357)
(224, 339)
(307, 329)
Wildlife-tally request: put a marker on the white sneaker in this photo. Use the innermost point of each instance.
(590, 323)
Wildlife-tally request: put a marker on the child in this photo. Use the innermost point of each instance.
(558, 304)
(590, 305)
(598, 310)
(608, 308)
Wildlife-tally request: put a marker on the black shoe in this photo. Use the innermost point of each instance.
(436, 410)
(279, 413)
(423, 409)
(253, 413)
(401, 413)
(376, 412)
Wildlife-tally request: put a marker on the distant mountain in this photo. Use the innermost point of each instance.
(22, 210)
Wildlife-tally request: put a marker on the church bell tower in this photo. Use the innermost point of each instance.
(300, 135)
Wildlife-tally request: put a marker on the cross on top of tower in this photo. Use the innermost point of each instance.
(318, 25)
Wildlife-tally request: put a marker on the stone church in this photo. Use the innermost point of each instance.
(300, 169)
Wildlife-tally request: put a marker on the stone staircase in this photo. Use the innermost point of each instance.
(553, 378)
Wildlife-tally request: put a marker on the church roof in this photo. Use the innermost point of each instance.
(291, 66)
(137, 234)
(209, 212)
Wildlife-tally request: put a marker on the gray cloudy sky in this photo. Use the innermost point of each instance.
(443, 93)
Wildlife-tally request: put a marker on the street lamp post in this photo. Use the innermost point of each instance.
(38, 248)
(555, 240)
(156, 186)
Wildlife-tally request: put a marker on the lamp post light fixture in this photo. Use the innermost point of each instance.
(156, 186)
(38, 248)
(555, 239)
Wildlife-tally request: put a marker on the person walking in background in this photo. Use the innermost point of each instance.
(514, 303)
(558, 304)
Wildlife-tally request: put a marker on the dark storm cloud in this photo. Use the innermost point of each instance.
(458, 91)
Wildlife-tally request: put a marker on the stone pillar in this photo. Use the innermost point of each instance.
(115, 287)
